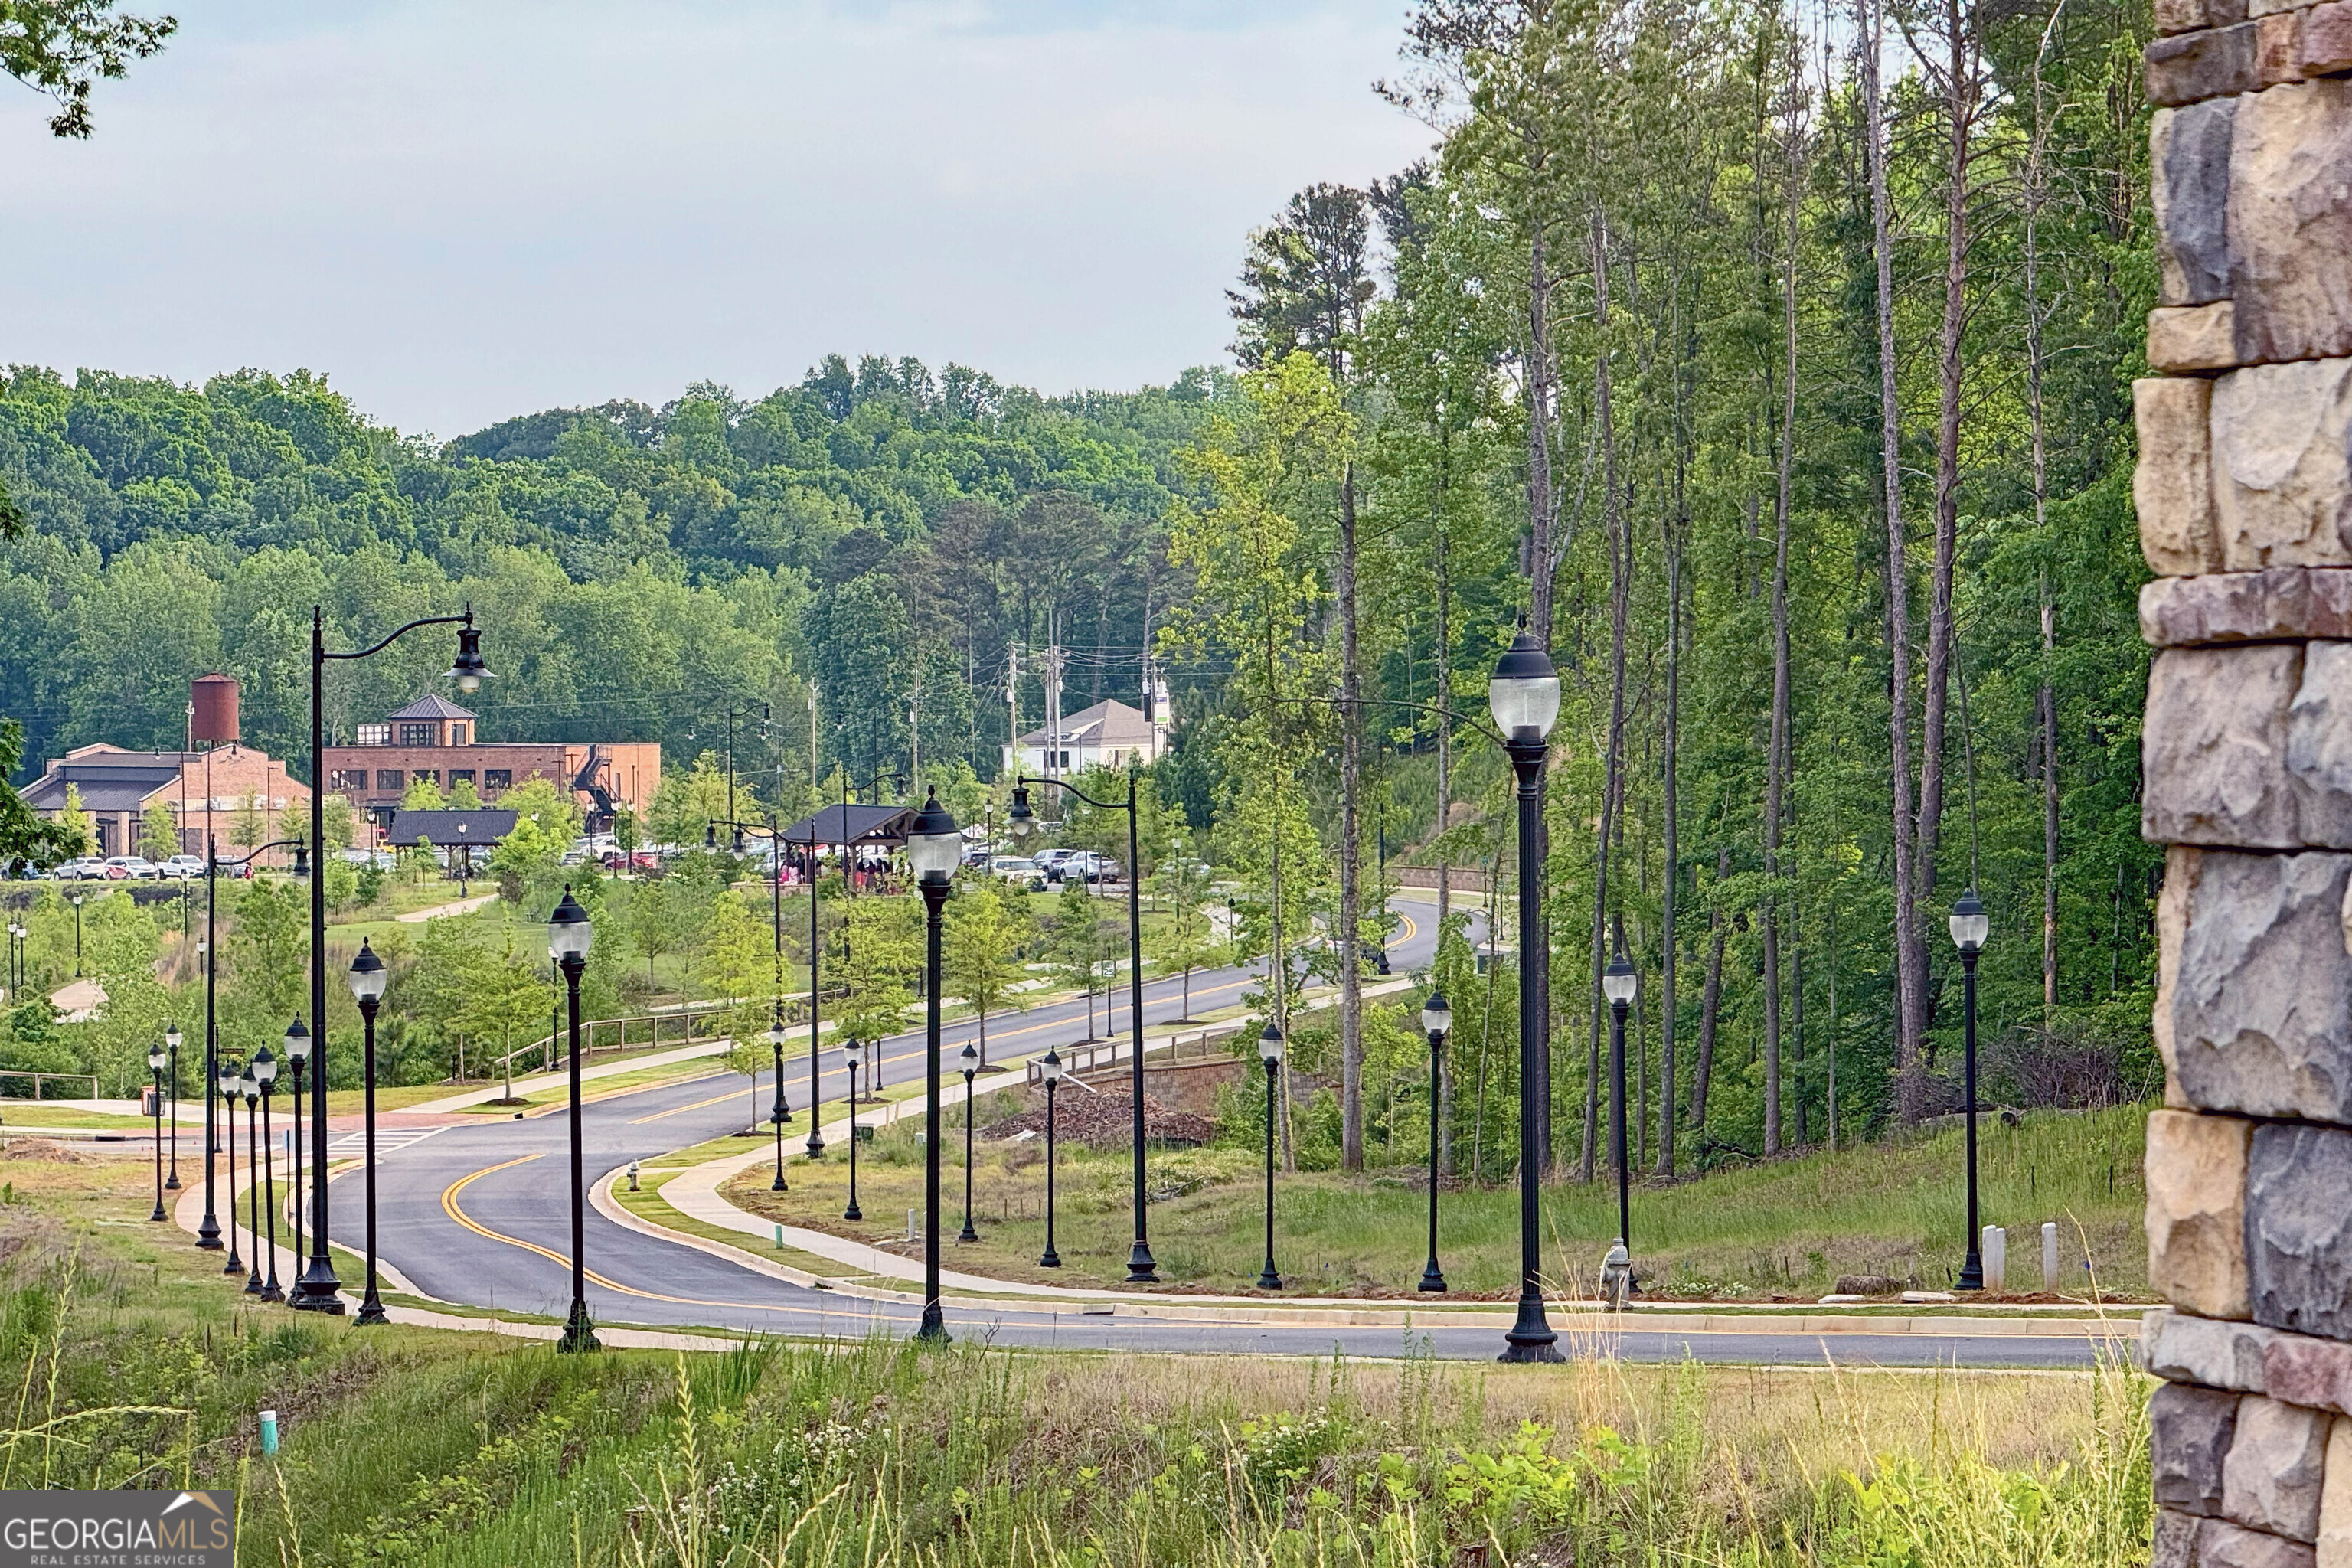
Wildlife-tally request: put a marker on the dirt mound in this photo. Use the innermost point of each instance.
(1106, 1121)
(48, 1149)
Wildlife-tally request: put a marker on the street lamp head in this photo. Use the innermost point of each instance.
(368, 976)
(230, 1073)
(1050, 1066)
(154, 1058)
(468, 671)
(710, 836)
(1970, 924)
(172, 1037)
(969, 1058)
(1269, 1043)
(849, 1053)
(1437, 1015)
(1618, 982)
(249, 1087)
(569, 931)
(1020, 822)
(1522, 694)
(76, 900)
(935, 846)
(264, 1068)
(776, 1035)
(297, 1043)
(302, 862)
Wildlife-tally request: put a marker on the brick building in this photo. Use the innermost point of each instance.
(433, 739)
(209, 790)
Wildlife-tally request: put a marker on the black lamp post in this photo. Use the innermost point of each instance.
(298, 1057)
(1023, 823)
(849, 1049)
(156, 1054)
(816, 1123)
(208, 1230)
(1970, 925)
(1269, 1051)
(368, 979)
(249, 1087)
(1523, 695)
(934, 850)
(779, 1113)
(264, 1073)
(569, 934)
(226, 1083)
(1617, 984)
(319, 1290)
(1436, 1020)
(1052, 1068)
(172, 1082)
(969, 1059)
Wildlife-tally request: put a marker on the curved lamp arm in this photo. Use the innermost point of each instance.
(1024, 781)
(257, 853)
(467, 620)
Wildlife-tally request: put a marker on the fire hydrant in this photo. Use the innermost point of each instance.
(1616, 1276)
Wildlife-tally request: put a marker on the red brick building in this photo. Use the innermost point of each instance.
(434, 739)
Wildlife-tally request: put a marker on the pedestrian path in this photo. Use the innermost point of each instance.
(442, 912)
(524, 1088)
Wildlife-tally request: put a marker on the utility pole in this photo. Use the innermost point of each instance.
(1053, 707)
(1013, 701)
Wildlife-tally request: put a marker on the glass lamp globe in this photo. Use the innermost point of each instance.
(569, 931)
(1618, 982)
(1970, 924)
(1436, 1016)
(1050, 1066)
(935, 846)
(1269, 1044)
(1523, 695)
(368, 976)
(297, 1043)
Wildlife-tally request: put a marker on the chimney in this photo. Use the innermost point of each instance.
(215, 697)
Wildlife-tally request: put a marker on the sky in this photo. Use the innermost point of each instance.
(464, 211)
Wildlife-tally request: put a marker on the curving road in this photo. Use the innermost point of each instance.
(481, 1214)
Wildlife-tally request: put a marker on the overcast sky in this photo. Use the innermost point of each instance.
(462, 212)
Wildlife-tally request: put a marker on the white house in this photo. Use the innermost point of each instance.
(1105, 735)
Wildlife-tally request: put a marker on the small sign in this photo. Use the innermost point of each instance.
(118, 1529)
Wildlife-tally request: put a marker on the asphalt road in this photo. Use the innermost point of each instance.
(481, 1214)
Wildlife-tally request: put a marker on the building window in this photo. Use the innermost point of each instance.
(424, 775)
(422, 734)
(460, 734)
(460, 775)
(388, 781)
(375, 735)
(348, 781)
(498, 778)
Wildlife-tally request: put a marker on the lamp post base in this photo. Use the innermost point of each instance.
(172, 1183)
(933, 1330)
(371, 1313)
(272, 1293)
(1430, 1280)
(1267, 1280)
(1049, 1258)
(157, 1217)
(318, 1291)
(815, 1147)
(578, 1334)
(1971, 1272)
(1141, 1268)
(853, 1212)
(208, 1233)
(967, 1234)
(1531, 1338)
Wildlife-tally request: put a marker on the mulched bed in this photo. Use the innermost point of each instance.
(1106, 1121)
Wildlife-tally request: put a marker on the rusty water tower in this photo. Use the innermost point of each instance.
(214, 700)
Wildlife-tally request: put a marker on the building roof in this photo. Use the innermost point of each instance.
(112, 785)
(432, 706)
(485, 826)
(852, 825)
(1107, 724)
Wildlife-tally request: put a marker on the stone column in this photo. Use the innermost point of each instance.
(2245, 513)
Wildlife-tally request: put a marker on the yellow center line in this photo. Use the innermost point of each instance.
(449, 1206)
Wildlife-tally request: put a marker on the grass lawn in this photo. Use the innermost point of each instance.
(1780, 1231)
(138, 1364)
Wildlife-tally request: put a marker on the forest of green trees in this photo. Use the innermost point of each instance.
(1691, 323)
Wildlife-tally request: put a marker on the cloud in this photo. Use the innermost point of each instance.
(464, 211)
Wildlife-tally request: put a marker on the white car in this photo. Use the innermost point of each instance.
(1019, 870)
(181, 868)
(81, 868)
(136, 867)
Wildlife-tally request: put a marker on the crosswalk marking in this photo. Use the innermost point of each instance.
(352, 1145)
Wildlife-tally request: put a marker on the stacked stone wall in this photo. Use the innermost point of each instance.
(2244, 496)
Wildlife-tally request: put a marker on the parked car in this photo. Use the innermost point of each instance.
(181, 868)
(81, 868)
(1049, 861)
(1019, 870)
(381, 860)
(1087, 865)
